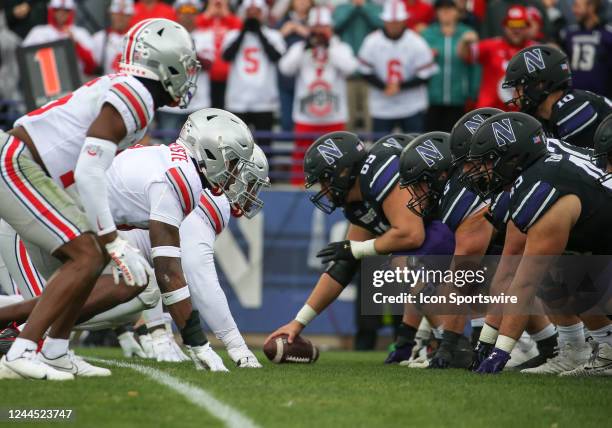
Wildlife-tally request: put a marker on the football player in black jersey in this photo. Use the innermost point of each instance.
(559, 203)
(426, 171)
(602, 151)
(364, 183)
(542, 79)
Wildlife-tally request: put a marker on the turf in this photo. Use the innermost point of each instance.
(341, 389)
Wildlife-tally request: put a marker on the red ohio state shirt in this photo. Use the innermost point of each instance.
(494, 55)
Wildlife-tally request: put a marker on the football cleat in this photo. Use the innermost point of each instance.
(495, 362)
(28, 366)
(568, 358)
(599, 364)
(480, 353)
(72, 363)
(7, 337)
(400, 353)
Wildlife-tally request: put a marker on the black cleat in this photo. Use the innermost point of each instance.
(7, 337)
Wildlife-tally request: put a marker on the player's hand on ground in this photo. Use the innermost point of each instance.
(146, 341)
(130, 346)
(128, 261)
(244, 358)
(291, 329)
(205, 358)
(400, 353)
(480, 353)
(163, 348)
(336, 251)
(441, 360)
(495, 362)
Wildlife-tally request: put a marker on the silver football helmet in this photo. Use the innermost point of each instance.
(222, 145)
(254, 176)
(162, 50)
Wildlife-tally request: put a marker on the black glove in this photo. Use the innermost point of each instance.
(481, 352)
(336, 251)
(252, 24)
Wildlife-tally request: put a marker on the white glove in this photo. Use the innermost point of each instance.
(205, 358)
(244, 358)
(146, 341)
(163, 347)
(130, 346)
(177, 349)
(128, 261)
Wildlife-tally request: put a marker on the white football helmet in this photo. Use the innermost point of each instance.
(221, 144)
(162, 50)
(253, 178)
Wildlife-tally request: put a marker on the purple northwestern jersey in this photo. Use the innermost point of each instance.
(590, 55)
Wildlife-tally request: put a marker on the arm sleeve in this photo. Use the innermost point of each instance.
(341, 56)
(231, 45)
(90, 178)
(165, 207)
(289, 64)
(528, 206)
(425, 64)
(373, 80)
(273, 47)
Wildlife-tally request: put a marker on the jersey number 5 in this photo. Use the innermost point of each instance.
(251, 60)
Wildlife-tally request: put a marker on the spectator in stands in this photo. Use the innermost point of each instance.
(420, 14)
(397, 63)
(22, 16)
(493, 54)
(353, 21)
(218, 18)
(294, 28)
(145, 9)
(457, 82)
(589, 47)
(467, 16)
(321, 65)
(108, 43)
(498, 9)
(9, 83)
(171, 119)
(252, 89)
(61, 26)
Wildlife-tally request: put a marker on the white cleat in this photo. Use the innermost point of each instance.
(569, 358)
(29, 366)
(525, 350)
(6, 373)
(244, 358)
(599, 364)
(71, 363)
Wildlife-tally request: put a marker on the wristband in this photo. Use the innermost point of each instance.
(363, 249)
(505, 343)
(175, 296)
(305, 315)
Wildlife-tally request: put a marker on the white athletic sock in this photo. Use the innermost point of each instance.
(573, 334)
(54, 348)
(488, 334)
(18, 347)
(603, 335)
(545, 333)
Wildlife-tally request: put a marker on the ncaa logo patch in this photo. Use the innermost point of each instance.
(429, 153)
(503, 132)
(534, 60)
(329, 151)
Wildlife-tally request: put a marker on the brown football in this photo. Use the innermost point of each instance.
(300, 351)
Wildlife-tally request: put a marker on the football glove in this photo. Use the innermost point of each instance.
(495, 362)
(163, 348)
(400, 353)
(130, 346)
(205, 358)
(336, 251)
(480, 353)
(127, 261)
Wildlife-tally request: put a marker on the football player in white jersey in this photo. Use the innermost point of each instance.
(197, 235)
(75, 138)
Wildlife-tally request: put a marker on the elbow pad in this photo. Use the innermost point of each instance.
(343, 271)
(90, 177)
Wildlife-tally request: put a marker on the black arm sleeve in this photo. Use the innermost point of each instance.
(413, 82)
(271, 52)
(229, 54)
(374, 81)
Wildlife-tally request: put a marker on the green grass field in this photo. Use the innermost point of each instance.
(341, 389)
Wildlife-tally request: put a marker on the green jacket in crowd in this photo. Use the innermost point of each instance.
(353, 23)
(457, 81)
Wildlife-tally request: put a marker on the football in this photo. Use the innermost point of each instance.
(300, 351)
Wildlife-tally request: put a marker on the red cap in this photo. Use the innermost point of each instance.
(516, 17)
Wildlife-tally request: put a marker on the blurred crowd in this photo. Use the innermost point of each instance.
(311, 67)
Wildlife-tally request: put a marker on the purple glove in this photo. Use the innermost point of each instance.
(495, 362)
(400, 353)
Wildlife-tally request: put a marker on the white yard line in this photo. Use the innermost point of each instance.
(198, 396)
